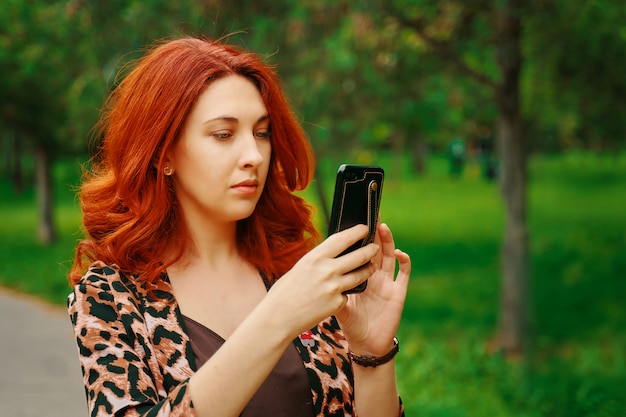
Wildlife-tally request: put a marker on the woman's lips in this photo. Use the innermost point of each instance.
(247, 187)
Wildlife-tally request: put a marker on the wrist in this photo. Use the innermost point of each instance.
(375, 360)
(371, 348)
(273, 325)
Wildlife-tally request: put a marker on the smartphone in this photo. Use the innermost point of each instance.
(358, 191)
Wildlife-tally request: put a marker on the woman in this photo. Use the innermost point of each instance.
(201, 289)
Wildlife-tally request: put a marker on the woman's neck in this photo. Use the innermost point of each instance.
(210, 245)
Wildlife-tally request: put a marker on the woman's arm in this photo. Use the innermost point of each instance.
(228, 380)
(309, 293)
(375, 391)
(370, 321)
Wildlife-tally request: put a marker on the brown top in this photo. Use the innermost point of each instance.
(286, 391)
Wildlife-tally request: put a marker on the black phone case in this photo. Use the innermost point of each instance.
(358, 190)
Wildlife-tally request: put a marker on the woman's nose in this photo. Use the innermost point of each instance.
(252, 151)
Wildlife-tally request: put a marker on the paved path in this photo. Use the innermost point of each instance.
(39, 371)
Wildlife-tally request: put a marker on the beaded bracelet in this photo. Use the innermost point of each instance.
(373, 361)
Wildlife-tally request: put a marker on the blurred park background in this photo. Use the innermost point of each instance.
(501, 125)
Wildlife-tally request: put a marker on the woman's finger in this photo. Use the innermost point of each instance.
(357, 276)
(388, 247)
(357, 258)
(338, 242)
(404, 273)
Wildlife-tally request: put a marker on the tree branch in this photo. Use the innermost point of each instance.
(443, 49)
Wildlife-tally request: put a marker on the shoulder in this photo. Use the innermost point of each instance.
(103, 291)
(103, 276)
(108, 278)
(107, 284)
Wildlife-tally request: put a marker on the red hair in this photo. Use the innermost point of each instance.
(130, 215)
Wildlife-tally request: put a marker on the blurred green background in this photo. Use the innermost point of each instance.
(403, 84)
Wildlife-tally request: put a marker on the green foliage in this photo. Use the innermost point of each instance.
(31, 85)
(358, 77)
(572, 83)
(452, 229)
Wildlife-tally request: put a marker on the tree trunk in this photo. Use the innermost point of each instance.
(17, 175)
(514, 325)
(43, 184)
(514, 302)
(419, 153)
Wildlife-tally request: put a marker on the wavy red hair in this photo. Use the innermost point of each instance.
(130, 215)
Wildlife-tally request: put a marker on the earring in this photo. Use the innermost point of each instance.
(168, 170)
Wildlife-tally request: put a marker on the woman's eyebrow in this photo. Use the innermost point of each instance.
(234, 119)
(222, 118)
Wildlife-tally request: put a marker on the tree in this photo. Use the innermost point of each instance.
(482, 40)
(31, 89)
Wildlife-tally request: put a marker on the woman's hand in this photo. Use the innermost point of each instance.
(314, 288)
(370, 320)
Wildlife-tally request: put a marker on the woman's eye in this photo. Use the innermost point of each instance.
(222, 135)
(263, 134)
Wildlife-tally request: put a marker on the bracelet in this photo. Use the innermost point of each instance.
(373, 361)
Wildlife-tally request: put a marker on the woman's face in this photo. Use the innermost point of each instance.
(222, 158)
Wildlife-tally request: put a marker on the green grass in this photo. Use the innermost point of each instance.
(26, 265)
(452, 229)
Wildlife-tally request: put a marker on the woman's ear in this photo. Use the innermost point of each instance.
(168, 169)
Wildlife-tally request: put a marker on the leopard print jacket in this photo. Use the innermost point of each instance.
(136, 357)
